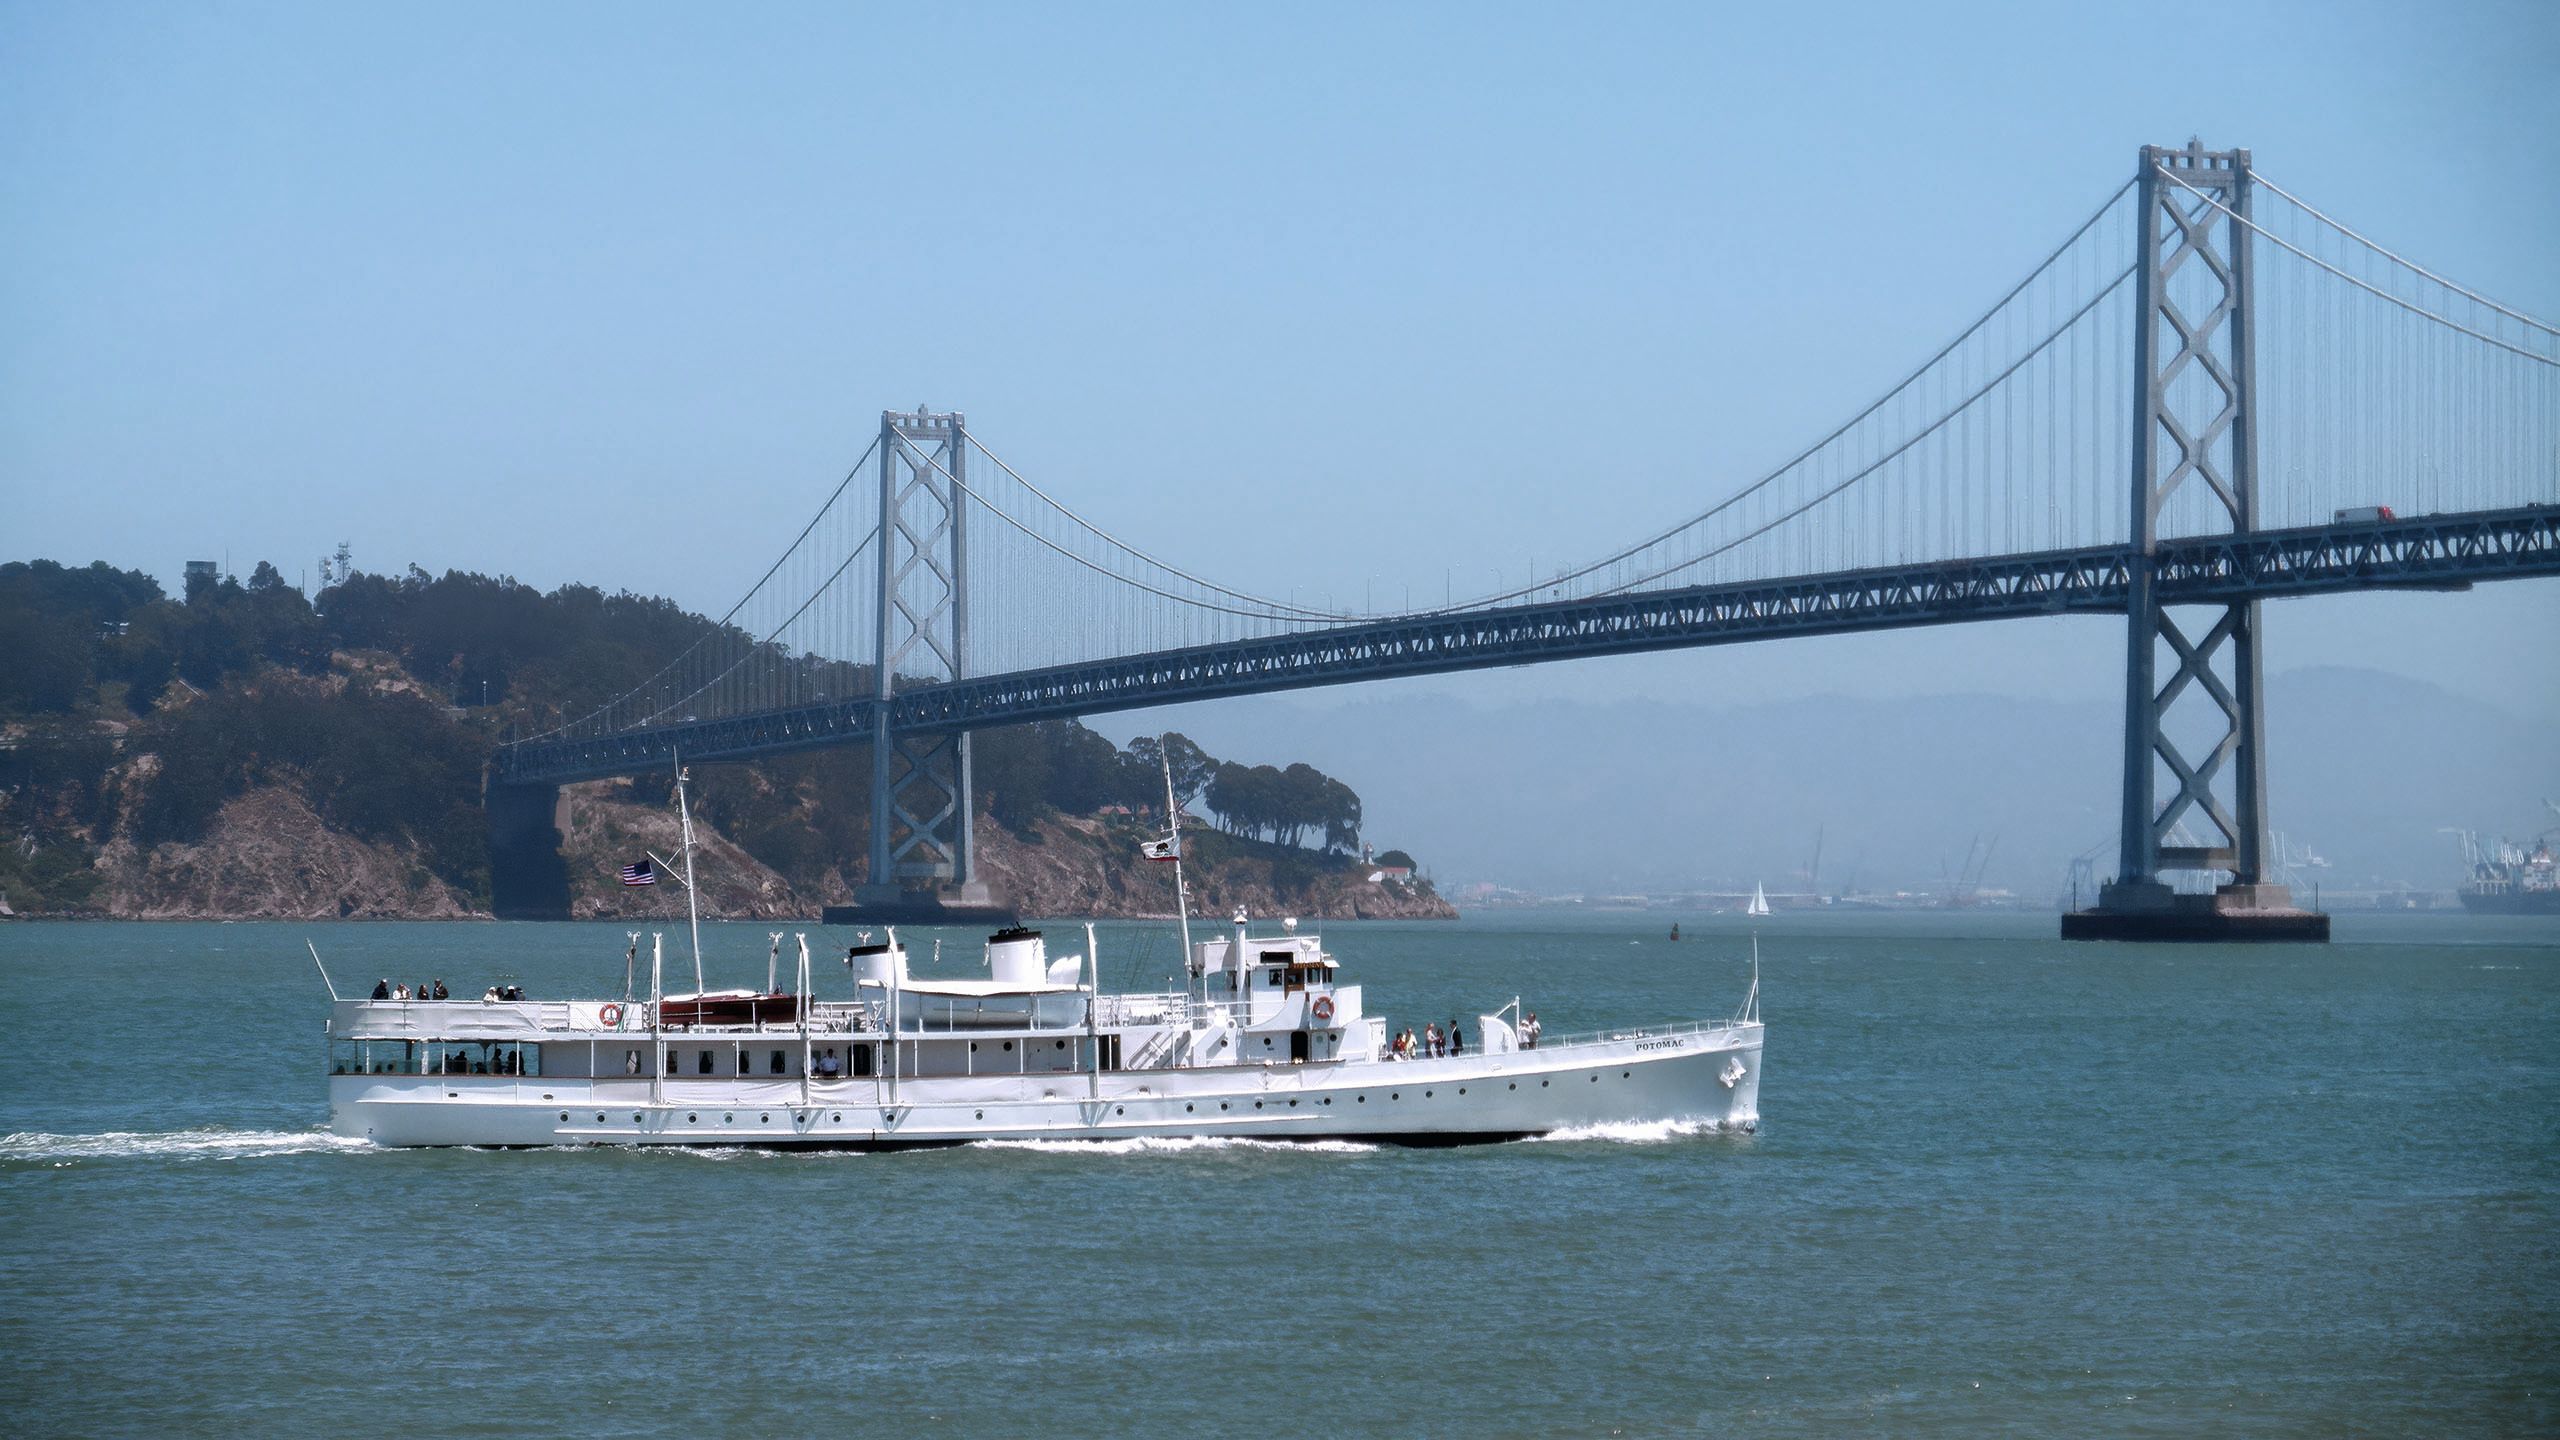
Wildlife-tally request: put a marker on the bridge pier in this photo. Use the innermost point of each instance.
(2195, 379)
(923, 864)
(528, 876)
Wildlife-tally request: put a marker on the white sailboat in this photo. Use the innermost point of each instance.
(1759, 900)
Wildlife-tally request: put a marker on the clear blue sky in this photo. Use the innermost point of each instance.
(613, 293)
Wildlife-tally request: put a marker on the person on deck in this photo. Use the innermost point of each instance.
(400, 992)
(1457, 1039)
(382, 989)
(1431, 1039)
(440, 990)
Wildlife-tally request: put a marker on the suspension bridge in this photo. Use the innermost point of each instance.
(2209, 395)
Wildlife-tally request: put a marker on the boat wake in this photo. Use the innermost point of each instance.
(36, 1147)
(1175, 1145)
(1633, 1132)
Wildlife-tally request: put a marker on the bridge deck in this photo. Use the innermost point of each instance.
(2423, 552)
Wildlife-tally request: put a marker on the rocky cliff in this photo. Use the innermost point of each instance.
(268, 855)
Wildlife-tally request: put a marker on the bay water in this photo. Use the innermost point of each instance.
(2003, 1185)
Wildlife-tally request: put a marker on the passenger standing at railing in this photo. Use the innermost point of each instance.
(1457, 1038)
(1529, 1031)
(382, 989)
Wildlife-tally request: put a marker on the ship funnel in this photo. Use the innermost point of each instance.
(1017, 956)
(877, 964)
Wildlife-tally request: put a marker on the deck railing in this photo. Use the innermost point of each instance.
(1635, 1032)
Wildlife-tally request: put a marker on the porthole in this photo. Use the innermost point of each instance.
(1326, 1101)
(1257, 1104)
(1222, 1104)
(1008, 1047)
(1363, 1099)
(1542, 1084)
(1426, 1094)
(1187, 1109)
(1595, 1079)
(837, 1118)
(1395, 1094)
(1293, 1104)
(1515, 1084)
(1462, 1089)
(635, 1117)
(564, 1117)
(693, 1119)
(1119, 1109)
(973, 1047)
(982, 1114)
(1062, 1044)
(725, 1119)
(600, 1117)
(764, 1119)
(1624, 1074)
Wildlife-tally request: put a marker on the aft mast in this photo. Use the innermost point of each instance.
(692, 904)
(1181, 892)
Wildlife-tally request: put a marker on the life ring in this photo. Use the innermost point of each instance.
(611, 1016)
(1324, 1007)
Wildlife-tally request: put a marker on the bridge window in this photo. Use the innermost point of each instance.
(777, 1062)
(702, 1064)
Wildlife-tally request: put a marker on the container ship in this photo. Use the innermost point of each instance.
(2511, 879)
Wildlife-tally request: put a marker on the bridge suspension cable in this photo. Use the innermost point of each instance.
(699, 668)
(2370, 288)
(1924, 433)
(1258, 604)
(2344, 229)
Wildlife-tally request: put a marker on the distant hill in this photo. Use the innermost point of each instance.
(248, 751)
(1559, 796)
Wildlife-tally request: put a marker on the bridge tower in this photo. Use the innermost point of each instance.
(921, 856)
(2199, 733)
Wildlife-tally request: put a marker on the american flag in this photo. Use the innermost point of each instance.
(643, 873)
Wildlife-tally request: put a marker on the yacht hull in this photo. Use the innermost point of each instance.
(1710, 1077)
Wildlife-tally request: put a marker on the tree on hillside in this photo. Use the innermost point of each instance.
(1192, 767)
(1282, 806)
(56, 625)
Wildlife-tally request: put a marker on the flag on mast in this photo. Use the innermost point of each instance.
(1168, 848)
(643, 873)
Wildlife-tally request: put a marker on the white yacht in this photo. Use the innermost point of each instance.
(1266, 1041)
(1263, 1040)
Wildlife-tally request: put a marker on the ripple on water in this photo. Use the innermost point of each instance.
(37, 1147)
(1633, 1132)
